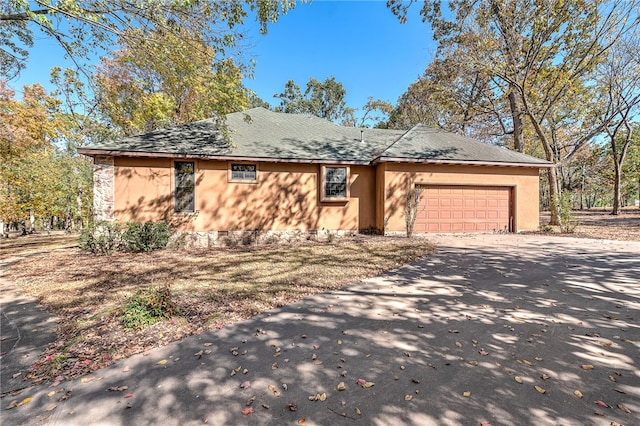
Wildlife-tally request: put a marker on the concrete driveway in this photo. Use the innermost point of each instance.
(459, 338)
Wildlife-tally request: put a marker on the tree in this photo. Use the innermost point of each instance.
(619, 80)
(541, 53)
(41, 177)
(83, 26)
(324, 99)
(167, 79)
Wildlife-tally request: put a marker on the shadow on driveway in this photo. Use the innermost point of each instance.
(471, 318)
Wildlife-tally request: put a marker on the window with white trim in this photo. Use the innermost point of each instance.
(335, 183)
(246, 172)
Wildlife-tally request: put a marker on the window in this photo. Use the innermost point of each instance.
(335, 183)
(185, 186)
(244, 172)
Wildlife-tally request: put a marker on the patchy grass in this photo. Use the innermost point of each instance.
(209, 287)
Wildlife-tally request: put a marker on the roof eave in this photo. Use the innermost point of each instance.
(118, 153)
(460, 162)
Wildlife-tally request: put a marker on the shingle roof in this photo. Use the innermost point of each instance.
(260, 134)
(426, 144)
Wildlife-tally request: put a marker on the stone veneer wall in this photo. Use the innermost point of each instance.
(202, 239)
(103, 188)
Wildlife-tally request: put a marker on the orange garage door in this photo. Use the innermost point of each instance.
(453, 208)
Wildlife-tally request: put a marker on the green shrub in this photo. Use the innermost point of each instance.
(108, 237)
(101, 238)
(568, 224)
(146, 236)
(147, 307)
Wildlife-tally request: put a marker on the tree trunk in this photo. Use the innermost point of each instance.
(552, 174)
(617, 167)
(516, 116)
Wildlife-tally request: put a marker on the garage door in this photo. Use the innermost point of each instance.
(452, 208)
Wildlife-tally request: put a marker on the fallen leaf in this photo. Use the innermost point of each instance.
(619, 390)
(358, 412)
(540, 390)
(368, 385)
(539, 359)
(485, 424)
(51, 407)
(587, 367)
(341, 386)
(483, 352)
(578, 394)
(250, 401)
(273, 389)
(302, 421)
(527, 362)
(361, 382)
(129, 395)
(245, 385)
(602, 404)
(408, 397)
(613, 379)
(458, 344)
(247, 411)
(292, 407)
(454, 331)
(517, 379)
(209, 344)
(466, 394)
(13, 404)
(118, 388)
(162, 362)
(545, 376)
(265, 406)
(316, 347)
(623, 408)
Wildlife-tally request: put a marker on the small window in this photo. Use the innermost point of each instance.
(335, 183)
(185, 186)
(248, 172)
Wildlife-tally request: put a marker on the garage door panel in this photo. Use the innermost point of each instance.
(451, 208)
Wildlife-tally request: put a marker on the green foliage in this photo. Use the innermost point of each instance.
(324, 99)
(147, 307)
(165, 80)
(567, 221)
(148, 236)
(103, 238)
(84, 27)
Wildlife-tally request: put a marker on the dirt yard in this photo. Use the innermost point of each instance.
(599, 223)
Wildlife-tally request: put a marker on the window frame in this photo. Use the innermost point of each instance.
(232, 179)
(190, 208)
(323, 184)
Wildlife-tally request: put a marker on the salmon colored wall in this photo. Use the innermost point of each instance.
(142, 189)
(399, 177)
(285, 197)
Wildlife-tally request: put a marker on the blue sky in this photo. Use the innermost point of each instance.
(360, 43)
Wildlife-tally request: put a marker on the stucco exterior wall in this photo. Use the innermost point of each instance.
(284, 197)
(398, 178)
